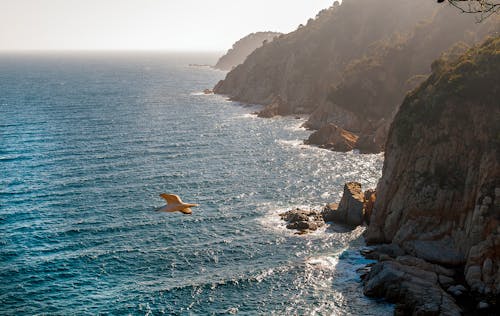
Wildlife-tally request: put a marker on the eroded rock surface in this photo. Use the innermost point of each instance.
(439, 195)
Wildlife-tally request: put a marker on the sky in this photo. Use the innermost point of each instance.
(174, 25)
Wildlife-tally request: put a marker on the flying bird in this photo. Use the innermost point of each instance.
(175, 204)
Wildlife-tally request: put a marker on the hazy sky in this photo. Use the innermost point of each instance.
(145, 24)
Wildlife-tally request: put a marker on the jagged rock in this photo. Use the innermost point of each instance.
(333, 137)
(415, 291)
(351, 206)
(303, 220)
(350, 210)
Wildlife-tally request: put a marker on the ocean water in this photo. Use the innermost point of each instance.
(88, 141)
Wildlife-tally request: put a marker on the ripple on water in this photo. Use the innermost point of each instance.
(83, 163)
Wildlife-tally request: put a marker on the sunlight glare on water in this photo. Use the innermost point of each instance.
(87, 144)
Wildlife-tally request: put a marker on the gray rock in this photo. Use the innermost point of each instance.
(415, 291)
(457, 290)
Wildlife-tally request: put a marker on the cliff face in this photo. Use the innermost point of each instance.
(373, 87)
(439, 195)
(301, 66)
(242, 48)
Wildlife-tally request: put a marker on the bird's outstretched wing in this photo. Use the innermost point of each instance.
(171, 198)
(187, 211)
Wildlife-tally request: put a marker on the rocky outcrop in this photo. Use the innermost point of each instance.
(333, 137)
(352, 207)
(277, 107)
(244, 47)
(303, 220)
(415, 291)
(439, 195)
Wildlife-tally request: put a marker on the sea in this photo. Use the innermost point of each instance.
(89, 140)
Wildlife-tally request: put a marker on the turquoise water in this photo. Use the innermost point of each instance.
(87, 144)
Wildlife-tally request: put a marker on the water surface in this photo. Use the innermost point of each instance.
(87, 142)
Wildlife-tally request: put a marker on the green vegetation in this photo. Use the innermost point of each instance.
(469, 83)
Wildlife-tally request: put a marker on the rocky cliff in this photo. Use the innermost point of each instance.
(372, 87)
(353, 64)
(242, 48)
(300, 66)
(439, 195)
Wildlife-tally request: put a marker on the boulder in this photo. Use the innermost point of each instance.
(303, 220)
(333, 137)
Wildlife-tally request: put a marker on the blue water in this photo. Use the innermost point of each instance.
(88, 141)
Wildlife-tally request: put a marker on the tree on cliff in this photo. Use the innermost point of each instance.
(484, 8)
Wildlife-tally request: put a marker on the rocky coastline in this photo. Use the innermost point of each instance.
(433, 222)
(355, 82)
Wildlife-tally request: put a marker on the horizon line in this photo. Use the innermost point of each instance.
(188, 51)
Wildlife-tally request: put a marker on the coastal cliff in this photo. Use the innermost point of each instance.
(439, 195)
(352, 65)
(244, 47)
(300, 67)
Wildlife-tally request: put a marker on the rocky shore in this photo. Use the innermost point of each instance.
(435, 216)
(415, 285)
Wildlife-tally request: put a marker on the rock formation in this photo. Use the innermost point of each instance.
(244, 47)
(303, 220)
(352, 207)
(343, 72)
(333, 137)
(439, 195)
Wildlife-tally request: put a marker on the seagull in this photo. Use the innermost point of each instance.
(175, 204)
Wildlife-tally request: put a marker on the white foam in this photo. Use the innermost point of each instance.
(323, 262)
(201, 93)
(291, 143)
(296, 127)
